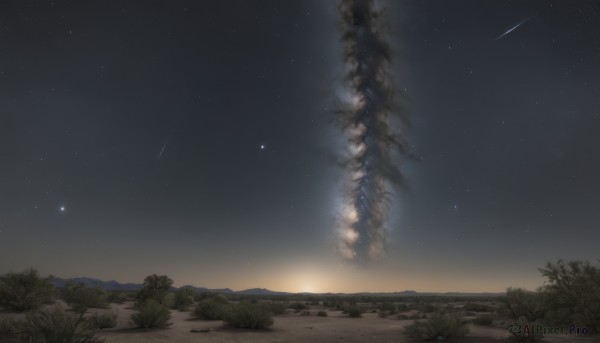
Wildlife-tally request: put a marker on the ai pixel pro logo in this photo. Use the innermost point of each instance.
(526, 330)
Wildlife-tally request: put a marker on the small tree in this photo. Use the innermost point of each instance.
(155, 287)
(573, 291)
(25, 291)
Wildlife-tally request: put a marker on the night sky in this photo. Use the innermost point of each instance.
(196, 139)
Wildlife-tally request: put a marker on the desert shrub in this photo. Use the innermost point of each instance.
(387, 306)
(305, 313)
(151, 314)
(50, 326)
(184, 298)
(475, 307)
(80, 298)
(402, 316)
(322, 314)
(522, 303)
(427, 308)
(572, 293)
(250, 316)
(353, 311)
(25, 291)
(209, 309)
(437, 326)
(105, 321)
(155, 287)
(117, 297)
(383, 314)
(168, 300)
(277, 307)
(483, 320)
(297, 306)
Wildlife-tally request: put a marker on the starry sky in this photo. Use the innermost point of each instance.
(195, 139)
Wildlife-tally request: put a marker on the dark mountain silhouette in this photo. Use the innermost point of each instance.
(113, 285)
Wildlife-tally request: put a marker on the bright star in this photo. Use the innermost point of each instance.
(62, 208)
(262, 147)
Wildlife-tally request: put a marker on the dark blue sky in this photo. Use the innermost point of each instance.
(505, 130)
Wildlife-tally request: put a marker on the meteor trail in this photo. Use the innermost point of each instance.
(513, 28)
(162, 150)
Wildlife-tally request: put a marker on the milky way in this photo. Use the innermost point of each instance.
(375, 147)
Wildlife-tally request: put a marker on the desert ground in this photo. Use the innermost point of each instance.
(289, 327)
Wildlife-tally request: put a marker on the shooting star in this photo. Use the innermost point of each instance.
(513, 28)
(162, 150)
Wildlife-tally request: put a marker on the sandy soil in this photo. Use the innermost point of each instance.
(290, 328)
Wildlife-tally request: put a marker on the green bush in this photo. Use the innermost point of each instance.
(209, 309)
(437, 326)
(25, 291)
(52, 326)
(151, 314)
(168, 300)
(184, 298)
(572, 294)
(80, 298)
(250, 316)
(322, 314)
(277, 307)
(354, 311)
(483, 320)
(105, 321)
(522, 303)
(297, 306)
(117, 297)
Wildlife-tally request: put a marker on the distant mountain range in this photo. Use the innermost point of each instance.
(113, 285)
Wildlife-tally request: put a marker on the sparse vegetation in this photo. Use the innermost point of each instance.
(322, 314)
(184, 298)
(353, 311)
(151, 314)
(475, 307)
(209, 309)
(438, 327)
(25, 291)
(297, 306)
(80, 297)
(50, 326)
(305, 313)
(117, 297)
(250, 316)
(277, 307)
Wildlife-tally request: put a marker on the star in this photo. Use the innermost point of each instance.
(62, 209)
(262, 147)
